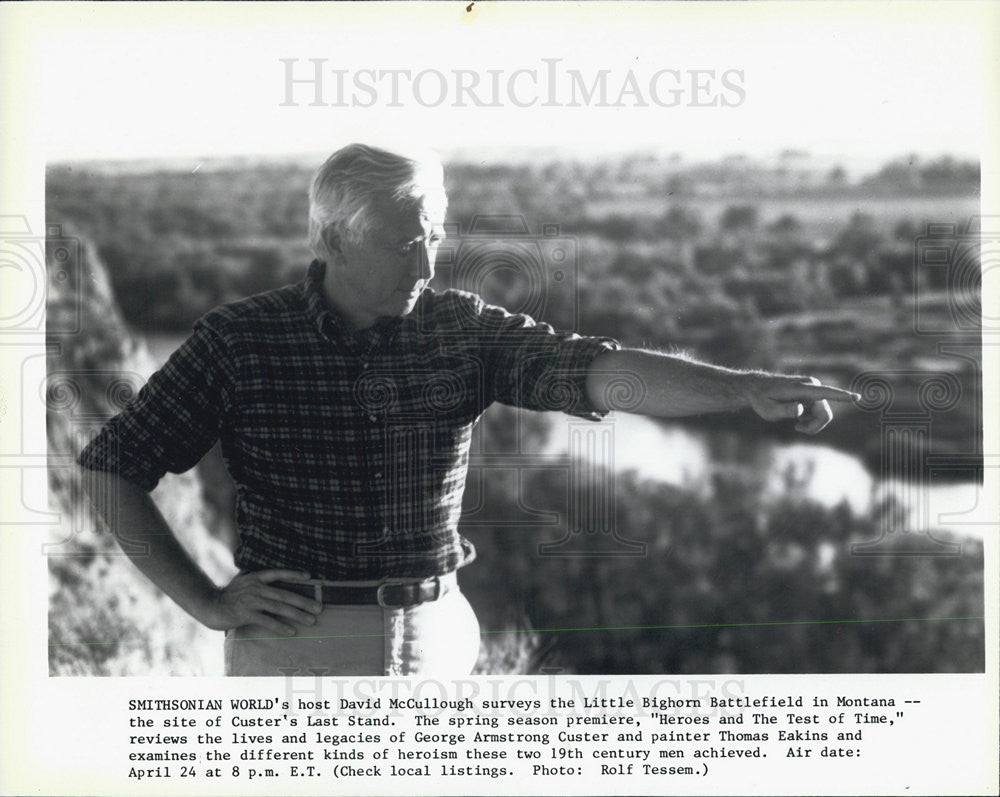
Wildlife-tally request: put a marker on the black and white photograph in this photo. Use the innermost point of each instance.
(457, 342)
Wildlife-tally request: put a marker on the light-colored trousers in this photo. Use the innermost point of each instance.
(438, 638)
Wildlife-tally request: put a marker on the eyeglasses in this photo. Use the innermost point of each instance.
(409, 247)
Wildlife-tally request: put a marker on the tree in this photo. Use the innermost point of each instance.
(786, 224)
(860, 238)
(680, 224)
(837, 177)
(739, 217)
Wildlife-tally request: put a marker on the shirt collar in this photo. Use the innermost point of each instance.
(333, 325)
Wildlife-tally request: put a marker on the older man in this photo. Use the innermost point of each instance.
(344, 405)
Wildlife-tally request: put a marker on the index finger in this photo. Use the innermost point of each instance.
(267, 576)
(807, 392)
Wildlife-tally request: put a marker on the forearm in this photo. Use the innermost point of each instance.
(668, 386)
(146, 538)
(664, 385)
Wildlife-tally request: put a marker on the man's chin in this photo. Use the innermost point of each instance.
(409, 298)
(402, 304)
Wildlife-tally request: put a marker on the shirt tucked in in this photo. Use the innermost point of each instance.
(349, 450)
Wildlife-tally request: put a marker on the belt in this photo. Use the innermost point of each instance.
(388, 593)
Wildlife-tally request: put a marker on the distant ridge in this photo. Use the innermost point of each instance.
(785, 160)
(214, 163)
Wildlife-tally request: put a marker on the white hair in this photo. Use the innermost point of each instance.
(354, 177)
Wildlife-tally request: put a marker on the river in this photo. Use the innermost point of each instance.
(681, 456)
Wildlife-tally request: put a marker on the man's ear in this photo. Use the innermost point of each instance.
(331, 240)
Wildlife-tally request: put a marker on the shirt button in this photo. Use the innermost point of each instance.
(364, 364)
(373, 418)
(378, 475)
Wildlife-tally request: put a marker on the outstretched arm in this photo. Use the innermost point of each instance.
(670, 386)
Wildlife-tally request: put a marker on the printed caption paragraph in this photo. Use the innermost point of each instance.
(611, 734)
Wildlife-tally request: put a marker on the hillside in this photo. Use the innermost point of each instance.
(104, 617)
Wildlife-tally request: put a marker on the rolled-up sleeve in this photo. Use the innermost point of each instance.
(174, 419)
(531, 365)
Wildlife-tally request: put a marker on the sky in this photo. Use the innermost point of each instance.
(858, 81)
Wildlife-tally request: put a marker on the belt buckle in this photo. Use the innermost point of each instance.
(380, 592)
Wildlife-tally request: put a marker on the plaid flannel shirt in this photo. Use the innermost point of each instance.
(349, 450)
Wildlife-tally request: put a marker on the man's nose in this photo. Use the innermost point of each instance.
(421, 265)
